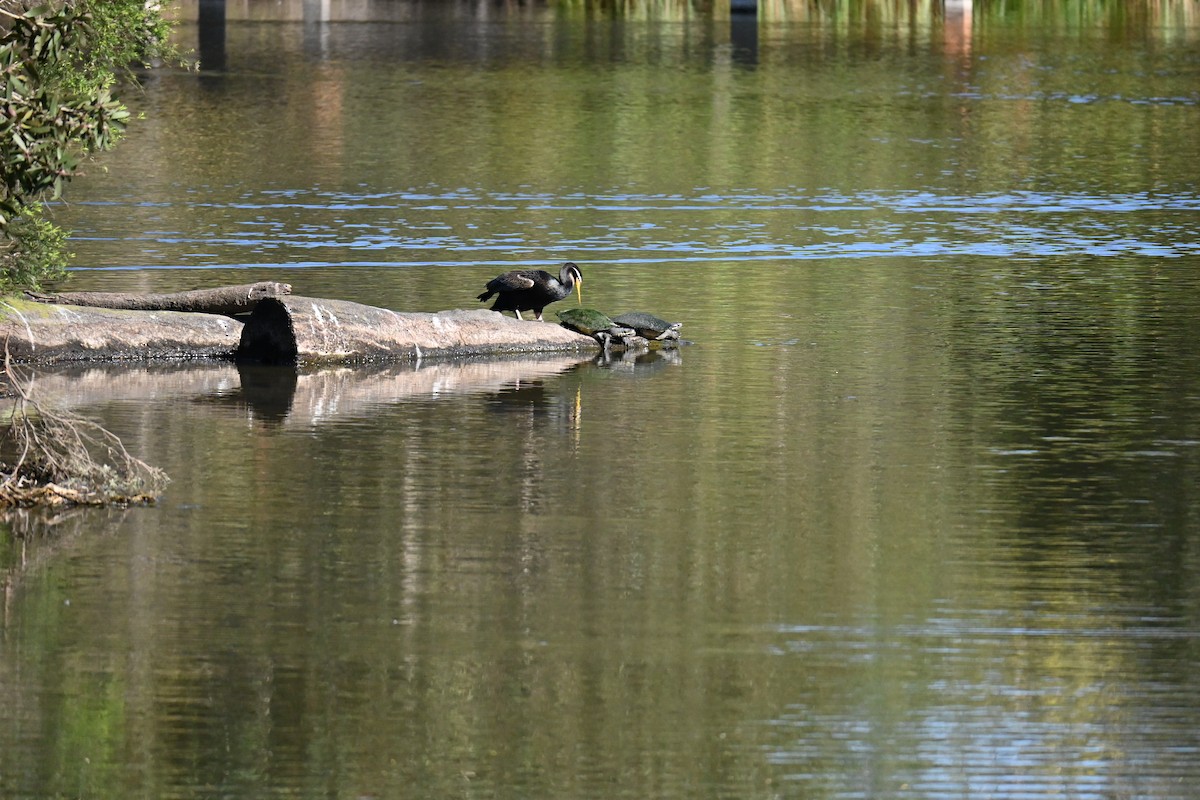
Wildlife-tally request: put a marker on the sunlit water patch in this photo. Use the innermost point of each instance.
(1032, 715)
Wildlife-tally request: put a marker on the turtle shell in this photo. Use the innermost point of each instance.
(587, 321)
(648, 325)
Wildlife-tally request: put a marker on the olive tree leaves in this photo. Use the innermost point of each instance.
(51, 115)
(58, 63)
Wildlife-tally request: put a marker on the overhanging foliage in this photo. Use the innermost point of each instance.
(58, 63)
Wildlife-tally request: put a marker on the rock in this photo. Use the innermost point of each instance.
(37, 332)
(310, 330)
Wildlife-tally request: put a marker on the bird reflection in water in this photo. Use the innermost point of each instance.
(538, 416)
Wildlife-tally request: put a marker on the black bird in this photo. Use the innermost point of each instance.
(533, 289)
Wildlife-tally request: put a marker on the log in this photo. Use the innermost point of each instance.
(307, 330)
(44, 333)
(227, 300)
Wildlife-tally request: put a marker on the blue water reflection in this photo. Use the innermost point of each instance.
(640, 229)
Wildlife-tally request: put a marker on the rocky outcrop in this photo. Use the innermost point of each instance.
(280, 329)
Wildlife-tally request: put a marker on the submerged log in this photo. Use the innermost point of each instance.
(228, 300)
(309, 330)
(46, 333)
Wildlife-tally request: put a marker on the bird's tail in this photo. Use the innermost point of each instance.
(485, 295)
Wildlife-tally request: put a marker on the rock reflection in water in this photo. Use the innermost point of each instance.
(283, 394)
(79, 385)
(314, 397)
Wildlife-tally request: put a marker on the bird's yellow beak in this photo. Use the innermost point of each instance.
(579, 289)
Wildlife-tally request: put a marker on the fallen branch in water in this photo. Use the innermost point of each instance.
(61, 458)
(227, 300)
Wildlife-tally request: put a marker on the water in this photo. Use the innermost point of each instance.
(914, 517)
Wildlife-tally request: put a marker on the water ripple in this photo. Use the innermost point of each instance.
(531, 228)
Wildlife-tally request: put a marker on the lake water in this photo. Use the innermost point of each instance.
(915, 517)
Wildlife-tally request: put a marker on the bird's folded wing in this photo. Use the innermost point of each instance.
(510, 281)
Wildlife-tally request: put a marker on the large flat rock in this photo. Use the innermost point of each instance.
(289, 330)
(44, 333)
(309, 330)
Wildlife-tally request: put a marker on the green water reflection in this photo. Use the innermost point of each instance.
(914, 517)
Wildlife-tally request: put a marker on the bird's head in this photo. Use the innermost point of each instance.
(572, 275)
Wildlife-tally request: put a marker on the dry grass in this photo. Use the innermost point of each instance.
(60, 458)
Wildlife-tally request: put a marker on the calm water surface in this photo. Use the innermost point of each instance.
(915, 517)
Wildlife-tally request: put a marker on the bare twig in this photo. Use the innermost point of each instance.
(66, 459)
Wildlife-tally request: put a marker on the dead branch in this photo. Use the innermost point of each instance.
(64, 459)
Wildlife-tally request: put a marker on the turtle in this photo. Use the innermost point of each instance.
(591, 322)
(649, 326)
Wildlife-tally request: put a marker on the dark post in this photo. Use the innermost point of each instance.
(743, 31)
(211, 23)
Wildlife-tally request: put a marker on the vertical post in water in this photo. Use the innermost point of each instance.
(211, 24)
(743, 31)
